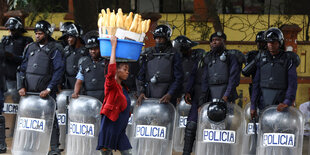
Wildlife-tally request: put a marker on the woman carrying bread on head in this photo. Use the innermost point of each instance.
(115, 109)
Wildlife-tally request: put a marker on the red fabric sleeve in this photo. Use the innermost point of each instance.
(110, 77)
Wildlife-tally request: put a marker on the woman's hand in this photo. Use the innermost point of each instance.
(113, 50)
(113, 41)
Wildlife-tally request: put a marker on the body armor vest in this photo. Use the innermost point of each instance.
(218, 74)
(159, 72)
(39, 67)
(94, 78)
(72, 57)
(16, 47)
(273, 77)
(273, 71)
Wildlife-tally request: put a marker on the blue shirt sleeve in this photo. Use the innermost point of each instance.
(292, 85)
(192, 77)
(79, 75)
(234, 75)
(178, 74)
(58, 69)
(23, 65)
(141, 76)
(256, 88)
(204, 80)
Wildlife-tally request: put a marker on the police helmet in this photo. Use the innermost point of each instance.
(274, 34)
(260, 36)
(162, 31)
(91, 39)
(218, 34)
(72, 30)
(14, 23)
(217, 110)
(44, 26)
(183, 42)
(64, 27)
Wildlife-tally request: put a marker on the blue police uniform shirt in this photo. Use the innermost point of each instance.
(79, 75)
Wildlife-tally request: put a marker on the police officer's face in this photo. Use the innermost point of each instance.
(217, 42)
(261, 45)
(160, 40)
(13, 32)
(71, 40)
(94, 52)
(123, 71)
(40, 36)
(273, 46)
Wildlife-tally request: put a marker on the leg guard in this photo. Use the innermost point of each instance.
(55, 139)
(2, 135)
(190, 134)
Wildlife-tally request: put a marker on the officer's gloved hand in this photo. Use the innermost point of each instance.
(165, 99)
(22, 92)
(188, 98)
(253, 113)
(141, 98)
(281, 107)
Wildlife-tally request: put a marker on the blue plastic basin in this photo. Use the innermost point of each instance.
(125, 49)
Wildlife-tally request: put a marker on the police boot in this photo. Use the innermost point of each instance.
(2, 135)
(54, 152)
(189, 139)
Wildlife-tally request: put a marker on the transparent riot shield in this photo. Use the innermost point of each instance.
(129, 129)
(83, 125)
(222, 138)
(34, 125)
(62, 115)
(182, 112)
(153, 128)
(11, 100)
(250, 134)
(281, 133)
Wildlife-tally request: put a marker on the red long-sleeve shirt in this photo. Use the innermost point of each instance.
(114, 101)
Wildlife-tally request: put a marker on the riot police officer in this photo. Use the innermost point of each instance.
(161, 73)
(63, 29)
(189, 56)
(275, 81)
(2, 119)
(72, 53)
(42, 69)
(253, 56)
(192, 94)
(11, 49)
(92, 70)
(221, 73)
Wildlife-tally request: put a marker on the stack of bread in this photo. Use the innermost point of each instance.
(122, 26)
